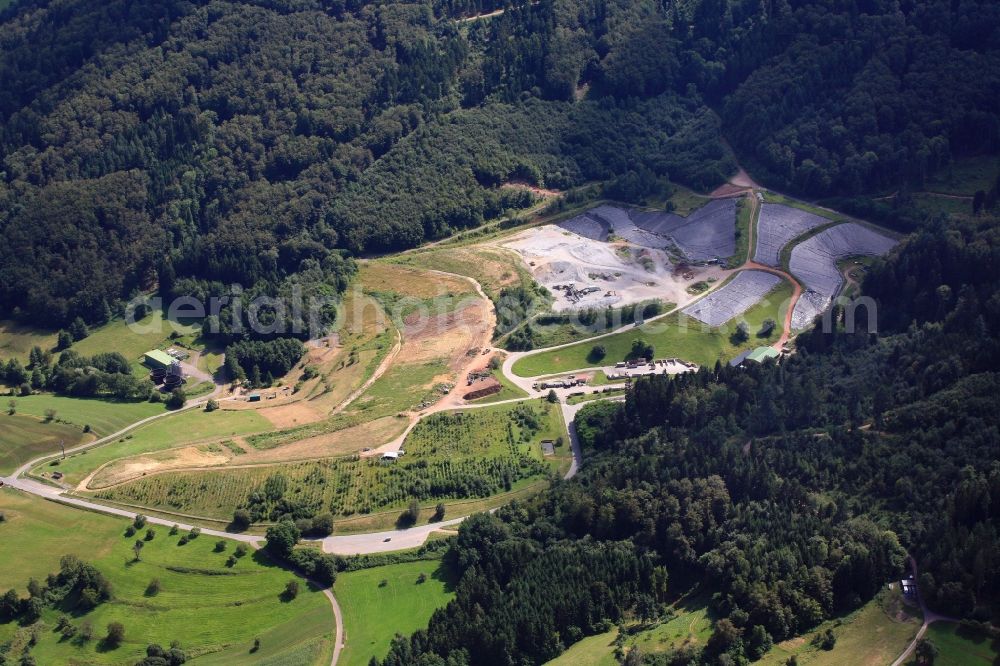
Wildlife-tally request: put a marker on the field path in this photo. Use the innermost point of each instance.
(379, 371)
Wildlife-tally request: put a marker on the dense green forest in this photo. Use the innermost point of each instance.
(790, 492)
(210, 141)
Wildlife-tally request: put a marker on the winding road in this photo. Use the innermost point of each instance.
(391, 540)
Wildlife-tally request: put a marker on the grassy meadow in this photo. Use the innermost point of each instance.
(380, 602)
(194, 425)
(690, 624)
(873, 635)
(213, 610)
(102, 415)
(675, 335)
(960, 646)
(23, 438)
(17, 339)
(470, 455)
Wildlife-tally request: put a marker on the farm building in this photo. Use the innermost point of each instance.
(157, 359)
(548, 447)
(390, 456)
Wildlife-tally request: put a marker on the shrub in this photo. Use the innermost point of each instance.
(597, 353)
(150, 534)
(741, 334)
(241, 550)
(411, 515)
(281, 539)
(322, 525)
(211, 405)
(153, 588)
(139, 522)
(116, 634)
(291, 590)
(422, 578)
(177, 399)
(220, 545)
(641, 349)
(241, 520)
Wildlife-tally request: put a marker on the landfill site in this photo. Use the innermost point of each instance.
(601, 258)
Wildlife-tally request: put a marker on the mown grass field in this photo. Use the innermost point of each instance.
(103, 416)
(874, 635)
(213, 610)
(958, 646)
(194, 425)
(691, 624)
(23, 438)
(675, 335)
(374, 613)
(471, 455)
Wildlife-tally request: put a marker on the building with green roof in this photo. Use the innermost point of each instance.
(761, 354)
(157, 359)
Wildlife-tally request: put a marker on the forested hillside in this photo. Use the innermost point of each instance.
(790, 493)
(234, 140)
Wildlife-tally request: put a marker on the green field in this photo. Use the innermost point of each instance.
(374, 613)
(152, 332)
(965, 176)
(476, 455)
(490, 432)
(960, 646)
(744, 218)
(873, 635)
(170, 431)
(551, 329)
(690, 624)
(23, 438)
(675, 335)
(213, 610)
(103, 416)
(16, 339)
